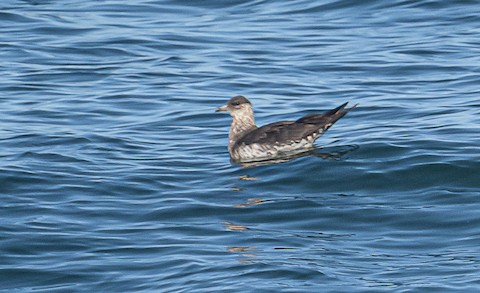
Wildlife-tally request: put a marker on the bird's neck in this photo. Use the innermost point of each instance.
(241, 125)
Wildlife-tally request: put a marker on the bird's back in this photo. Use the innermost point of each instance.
(284, 137)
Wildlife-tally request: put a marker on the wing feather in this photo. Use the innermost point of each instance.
(283, 132)
(288, 131)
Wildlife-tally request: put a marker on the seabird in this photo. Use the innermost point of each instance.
(249, 143)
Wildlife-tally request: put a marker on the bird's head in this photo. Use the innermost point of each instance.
(238, 106)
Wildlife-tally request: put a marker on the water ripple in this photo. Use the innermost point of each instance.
(114, 171)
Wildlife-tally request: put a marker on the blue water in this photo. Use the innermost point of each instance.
(114, 171)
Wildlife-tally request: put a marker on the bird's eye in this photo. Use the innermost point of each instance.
(235, 104)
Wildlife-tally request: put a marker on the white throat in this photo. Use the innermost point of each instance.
(242, 123)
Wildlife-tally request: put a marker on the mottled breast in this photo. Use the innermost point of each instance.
(243, 152)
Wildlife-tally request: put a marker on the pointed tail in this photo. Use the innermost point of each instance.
(327, 119)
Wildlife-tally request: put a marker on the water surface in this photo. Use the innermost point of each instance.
(114, 171)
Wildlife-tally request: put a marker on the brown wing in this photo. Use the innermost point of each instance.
(283, 132)
(287, 131)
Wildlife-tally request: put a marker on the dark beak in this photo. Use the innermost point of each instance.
(222, 109)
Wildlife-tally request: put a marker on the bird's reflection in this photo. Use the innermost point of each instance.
(250, 202)
(327, 153)
(234, 227)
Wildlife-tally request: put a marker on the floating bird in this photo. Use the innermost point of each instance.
(249, 143)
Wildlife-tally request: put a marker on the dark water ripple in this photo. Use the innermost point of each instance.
(114, 173)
